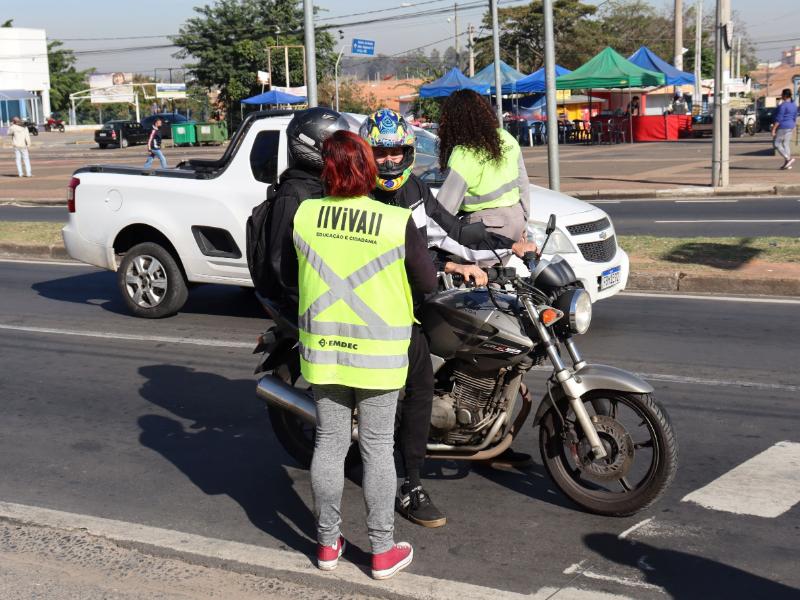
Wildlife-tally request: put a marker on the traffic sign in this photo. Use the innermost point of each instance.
(363, 47)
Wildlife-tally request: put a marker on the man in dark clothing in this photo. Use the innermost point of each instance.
(392, 141)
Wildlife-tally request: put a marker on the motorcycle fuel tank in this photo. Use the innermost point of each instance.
(465, 324)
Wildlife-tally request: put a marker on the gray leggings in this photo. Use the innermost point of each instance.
(783, 143)
(376, 413)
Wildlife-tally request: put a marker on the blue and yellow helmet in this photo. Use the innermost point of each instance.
(388, 129)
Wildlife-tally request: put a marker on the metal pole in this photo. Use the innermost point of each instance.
(311, 54)
(286, 64)
(498, 83)
(516, 54)
(550, 85)
(698, 43)
(738, 57)
(721, 146)
(455, 32)
(678, 54)
(470, 32)
(336, 77)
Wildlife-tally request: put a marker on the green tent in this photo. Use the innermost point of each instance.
(609, 70)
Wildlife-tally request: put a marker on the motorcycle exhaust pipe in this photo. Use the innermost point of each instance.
(280, 394)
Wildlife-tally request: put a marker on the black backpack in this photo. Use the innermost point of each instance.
(257, 230)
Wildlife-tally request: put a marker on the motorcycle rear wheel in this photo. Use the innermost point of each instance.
(637, 471)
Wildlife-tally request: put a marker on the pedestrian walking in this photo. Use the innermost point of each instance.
(154, 147)
(357, 263)
(20, 141)
(783, 126)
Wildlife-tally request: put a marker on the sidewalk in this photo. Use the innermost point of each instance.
(663, 169)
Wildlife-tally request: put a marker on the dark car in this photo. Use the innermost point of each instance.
(120, 134)
(167, 119)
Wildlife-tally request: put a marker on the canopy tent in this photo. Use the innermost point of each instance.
(450, 82)
(508, 75)
(533, 82)
(11, 95)
(609, 69)
(275, 97)
(647, 59)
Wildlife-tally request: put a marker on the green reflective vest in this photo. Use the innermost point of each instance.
(355, 311)
(489, 184)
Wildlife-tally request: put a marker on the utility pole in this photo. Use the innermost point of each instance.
(722, 73)
(516, 55)
(550, 86)
(738, 57)
(698, 52)
(471, 42)
(286, 63)
(678, 55)
(498, 83)
(336, 78)
(311, 56)
(455, 33)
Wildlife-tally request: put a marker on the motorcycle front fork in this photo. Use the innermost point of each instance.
(566, 378)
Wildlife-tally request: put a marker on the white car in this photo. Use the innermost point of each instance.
(164, 229)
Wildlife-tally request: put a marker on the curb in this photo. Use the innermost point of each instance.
(782, 189)
(638, 281)
(33, 203)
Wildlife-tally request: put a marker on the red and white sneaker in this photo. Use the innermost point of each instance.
(387, 564)
(328, 556)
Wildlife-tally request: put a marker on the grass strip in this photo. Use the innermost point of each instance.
(30, 232)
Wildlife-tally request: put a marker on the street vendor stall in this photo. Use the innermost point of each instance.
(450, 82)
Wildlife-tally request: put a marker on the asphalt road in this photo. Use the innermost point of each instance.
(150, 422)
(718, 217)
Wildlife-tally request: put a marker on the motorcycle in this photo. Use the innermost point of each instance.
(54, 125)
(604, 440)
(32, 129)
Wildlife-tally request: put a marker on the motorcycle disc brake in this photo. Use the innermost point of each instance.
(619, 449)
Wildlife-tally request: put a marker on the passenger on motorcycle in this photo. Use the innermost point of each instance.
(393, 145)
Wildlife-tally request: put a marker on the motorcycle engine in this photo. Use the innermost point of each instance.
(461, 414)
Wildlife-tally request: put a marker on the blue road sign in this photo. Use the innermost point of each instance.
(363, 47)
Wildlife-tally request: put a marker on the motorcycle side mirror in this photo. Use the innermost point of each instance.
(551, 225)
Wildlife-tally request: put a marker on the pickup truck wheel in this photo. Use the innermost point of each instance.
(150, 281)
(124, 143)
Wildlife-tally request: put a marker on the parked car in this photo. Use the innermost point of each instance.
(121, 134)
(167, 119)
(187, 224)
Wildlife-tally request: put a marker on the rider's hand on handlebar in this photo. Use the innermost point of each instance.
(468, 272)
(523, 246)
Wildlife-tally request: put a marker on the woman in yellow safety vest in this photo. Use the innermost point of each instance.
(358, 263)
(487, 178)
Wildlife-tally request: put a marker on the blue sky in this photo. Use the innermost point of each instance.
(772, 23)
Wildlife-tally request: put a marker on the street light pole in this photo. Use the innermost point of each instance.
(311, 56)
(553, 170)
(678, 54)
(498, 83)
(722, 71)
(455, 32)
(336, 77)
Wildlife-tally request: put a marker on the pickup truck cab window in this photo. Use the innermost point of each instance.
(264, 156)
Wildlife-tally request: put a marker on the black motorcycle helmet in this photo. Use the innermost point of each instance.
(306, 132)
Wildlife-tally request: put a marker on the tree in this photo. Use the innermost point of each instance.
(229, 40)
(352, 97)
(8, 23)
(65, 79)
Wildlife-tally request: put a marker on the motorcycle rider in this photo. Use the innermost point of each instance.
(393, 145)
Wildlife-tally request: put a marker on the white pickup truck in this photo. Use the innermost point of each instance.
(164, 229)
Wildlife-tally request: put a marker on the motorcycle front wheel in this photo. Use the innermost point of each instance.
(642, 452)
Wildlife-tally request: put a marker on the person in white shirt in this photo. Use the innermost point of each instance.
(20, 141)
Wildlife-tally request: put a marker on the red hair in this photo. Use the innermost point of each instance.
(350, 168)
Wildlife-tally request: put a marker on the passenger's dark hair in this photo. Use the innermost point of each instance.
(786, 94)
(467, 120)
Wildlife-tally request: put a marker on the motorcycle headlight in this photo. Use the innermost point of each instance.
(578, 307)
(559, 243)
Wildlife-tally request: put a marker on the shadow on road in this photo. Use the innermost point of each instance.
(712, 254)
(685, 575)
(227, 449)
(100, 288)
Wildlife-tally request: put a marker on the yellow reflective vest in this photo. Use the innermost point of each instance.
(490, 184)
(355, 311)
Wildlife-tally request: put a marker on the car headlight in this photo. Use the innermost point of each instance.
(577, 305)
(559, 243)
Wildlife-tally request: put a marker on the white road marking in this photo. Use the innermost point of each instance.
(578, 568)
(706, 201)
(188, 545)
(711, 297)
(604, 201)
(31, 261)
(767, 485)
(734, 221)
(630, 530)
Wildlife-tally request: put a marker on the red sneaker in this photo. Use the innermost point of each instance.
(386, 564)
(328, 556)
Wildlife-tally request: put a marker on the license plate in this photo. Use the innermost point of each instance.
(101, 135)
(610, 278)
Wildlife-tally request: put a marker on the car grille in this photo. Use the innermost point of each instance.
(601, 251)
(582, 228)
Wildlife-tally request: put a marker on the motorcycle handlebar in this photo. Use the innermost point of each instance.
(495, 275)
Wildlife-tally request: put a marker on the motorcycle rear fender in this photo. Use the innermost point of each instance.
(600, 377)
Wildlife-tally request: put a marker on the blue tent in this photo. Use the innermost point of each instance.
(647, 59)
(533, 82)
(450, 82)
(275, 97)
(508, 75)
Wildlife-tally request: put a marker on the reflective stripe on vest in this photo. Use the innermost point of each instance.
(354, 329)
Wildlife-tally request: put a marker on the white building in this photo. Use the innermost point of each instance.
(24, 74)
